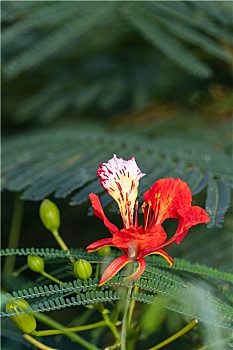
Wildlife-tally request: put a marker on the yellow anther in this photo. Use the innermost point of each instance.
(143, 207)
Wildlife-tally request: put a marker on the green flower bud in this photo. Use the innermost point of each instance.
(35, 263)
(82, 269)
(50, 215)
(104, 251)
(25, 322)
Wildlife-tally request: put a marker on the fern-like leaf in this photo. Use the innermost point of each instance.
(62, 302)
(154, 280)
(184, 13)
(64, 162)
(180, 265)
(218, 199)
(141, 19)
(180, 293)
(212, 312)
(198, 269)
(71, 30)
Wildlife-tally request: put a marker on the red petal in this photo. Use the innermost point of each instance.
(139, 239)
(99, 244)
(188, 217)
(167, 196)
(151, 250)
(141, 268)
(98, 211)
(192, 216)
(165, 256)
(113, 268)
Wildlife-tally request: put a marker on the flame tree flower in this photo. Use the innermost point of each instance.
(167, 198)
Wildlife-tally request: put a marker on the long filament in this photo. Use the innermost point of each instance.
(136, 215)
(151, 217)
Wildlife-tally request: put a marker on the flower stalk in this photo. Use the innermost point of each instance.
(37, 343)
(87, 327)
(125, 322)
(175, 336)
(131, 307)
(50, 217)
(59, 240)
(56, 325)
(104, 312)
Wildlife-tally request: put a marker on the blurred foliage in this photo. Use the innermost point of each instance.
(98, 59)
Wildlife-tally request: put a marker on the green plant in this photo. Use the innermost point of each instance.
(145, 79)
(179, 289)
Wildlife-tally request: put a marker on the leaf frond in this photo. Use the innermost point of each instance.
(197, 269)
(64, 162)
(217, 202)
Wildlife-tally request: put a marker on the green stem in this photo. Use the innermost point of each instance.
(175, 336)
(16, 273)
(110, 325)
(125, 318)
(97, 270)
(50, 277)
(115, 314)
(56, 325)
(59, 240)
(131, 307)
(104, 312)
(37, 343)
(72, 329)
(54, 279)
(61, 243)
(14, 234)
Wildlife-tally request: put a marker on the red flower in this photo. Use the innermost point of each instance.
(167, 198)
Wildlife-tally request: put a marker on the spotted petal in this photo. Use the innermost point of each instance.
(121, 179)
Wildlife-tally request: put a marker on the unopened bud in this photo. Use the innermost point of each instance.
(35, 263)
(50, 215)
(82, 269)
(26, 322)
(104, 251)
